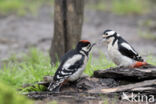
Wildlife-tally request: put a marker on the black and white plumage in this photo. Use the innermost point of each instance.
(120, 51)
(72, 65)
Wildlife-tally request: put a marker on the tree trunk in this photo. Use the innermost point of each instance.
(67, 27)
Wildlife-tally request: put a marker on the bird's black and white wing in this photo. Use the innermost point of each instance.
(66, 69)
(127, 50)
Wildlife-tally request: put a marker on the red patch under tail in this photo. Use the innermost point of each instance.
(139, 64)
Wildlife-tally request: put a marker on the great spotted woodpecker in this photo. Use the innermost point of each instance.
(72, 65)
(120, 51)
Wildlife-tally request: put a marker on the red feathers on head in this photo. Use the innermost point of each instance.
(84, 41)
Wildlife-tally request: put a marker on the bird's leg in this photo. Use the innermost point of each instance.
(64, 82)
(138, 64)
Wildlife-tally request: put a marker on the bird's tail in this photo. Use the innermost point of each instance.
(139, 58)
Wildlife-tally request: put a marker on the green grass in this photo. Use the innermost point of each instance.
(21, 7)
(122, 7)
(128, 6)
(29, 69)
(151, 60)
(33, 66)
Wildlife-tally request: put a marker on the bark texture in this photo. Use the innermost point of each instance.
(68, 22)
(128, 74)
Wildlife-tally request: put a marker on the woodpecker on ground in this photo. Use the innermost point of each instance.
(72, 65)
(120, 51)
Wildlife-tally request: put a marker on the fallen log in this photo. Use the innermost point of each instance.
(127, 74)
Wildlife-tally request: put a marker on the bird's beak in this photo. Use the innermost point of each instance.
(104, 36)
(92, 46)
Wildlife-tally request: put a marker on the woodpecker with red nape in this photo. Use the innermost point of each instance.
(120, 51)
(72, 65)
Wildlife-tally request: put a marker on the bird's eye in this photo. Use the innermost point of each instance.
(106, 33)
